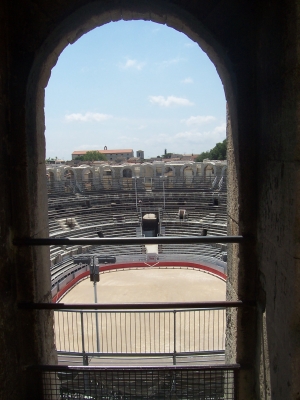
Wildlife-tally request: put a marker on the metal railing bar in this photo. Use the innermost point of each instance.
(134, 306)
(61, 368)
(156, 355)
(127, 240)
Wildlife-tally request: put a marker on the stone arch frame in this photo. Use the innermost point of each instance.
(190, 166)
(52, 173)
(87, 169)
(68, 170)
(127, 167)
(126, 181)
(145, 167)
(103, 168)
(212, 167)
(169, 168)
(51, 178)
(72, 27)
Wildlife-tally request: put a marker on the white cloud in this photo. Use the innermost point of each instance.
(198, 120)
(157, 29)
(172, 61)
(187, 80)
(161, 138)
(128, 139)
(189, 44)
(213, 136)
(170, 101)
(192, 136)
(220, 129)
(88, 147)
(133, 64)
(88, 116)
(187, 141)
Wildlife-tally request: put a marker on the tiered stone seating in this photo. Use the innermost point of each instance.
(118, 214)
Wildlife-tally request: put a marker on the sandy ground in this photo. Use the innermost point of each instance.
(144, 332)
(151, 248)
(149, 285)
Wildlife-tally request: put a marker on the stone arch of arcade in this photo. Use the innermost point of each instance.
(209, 171)
(127, 172)
(258, 63)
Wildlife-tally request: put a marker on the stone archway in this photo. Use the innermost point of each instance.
(69, 180)
(69, 174)
(50, 180)
(87, 179)
(107, 178)
(127, 173)
(169, 176)
(93, 15)
(127, 178)
(188, 175)
(209, 172)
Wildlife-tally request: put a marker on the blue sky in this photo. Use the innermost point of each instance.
(134, 84)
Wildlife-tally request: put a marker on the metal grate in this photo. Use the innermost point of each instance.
(109, 383)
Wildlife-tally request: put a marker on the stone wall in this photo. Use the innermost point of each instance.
(255, 48)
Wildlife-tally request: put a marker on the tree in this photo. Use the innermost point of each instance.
(167, 155)
(217, 153)
(92, 156)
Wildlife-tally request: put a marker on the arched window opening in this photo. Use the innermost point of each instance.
(69, 178)
(88, 180)
(209, 172)
(110, 178)
(127, 173)
(50, 180)
(188, 174)
(159, 189)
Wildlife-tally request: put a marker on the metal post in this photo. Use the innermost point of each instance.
(164, 195)
(84, 356)
(85, 360)
(174, 351)
(236, 383)
(96, 301)
(136, 203)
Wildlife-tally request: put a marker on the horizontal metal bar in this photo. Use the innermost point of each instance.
(63, 368)
(156, 355)
(134, 306)
(136, 311)
(127, 240)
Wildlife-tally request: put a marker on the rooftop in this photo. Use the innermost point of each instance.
(105, 151)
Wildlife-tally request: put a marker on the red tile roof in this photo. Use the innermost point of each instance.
(112, 151)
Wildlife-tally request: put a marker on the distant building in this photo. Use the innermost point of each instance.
(111, 155)
(55, 161)
(189, 157)
(140, 154)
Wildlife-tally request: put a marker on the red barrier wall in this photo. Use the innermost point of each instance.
(162, 264)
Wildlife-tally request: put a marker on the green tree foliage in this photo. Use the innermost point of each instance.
(92, 156)
(217, 153)
(167, 155)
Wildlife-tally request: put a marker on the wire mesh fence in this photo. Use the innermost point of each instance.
(109, 383)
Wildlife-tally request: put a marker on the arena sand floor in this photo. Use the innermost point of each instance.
(146, 285)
